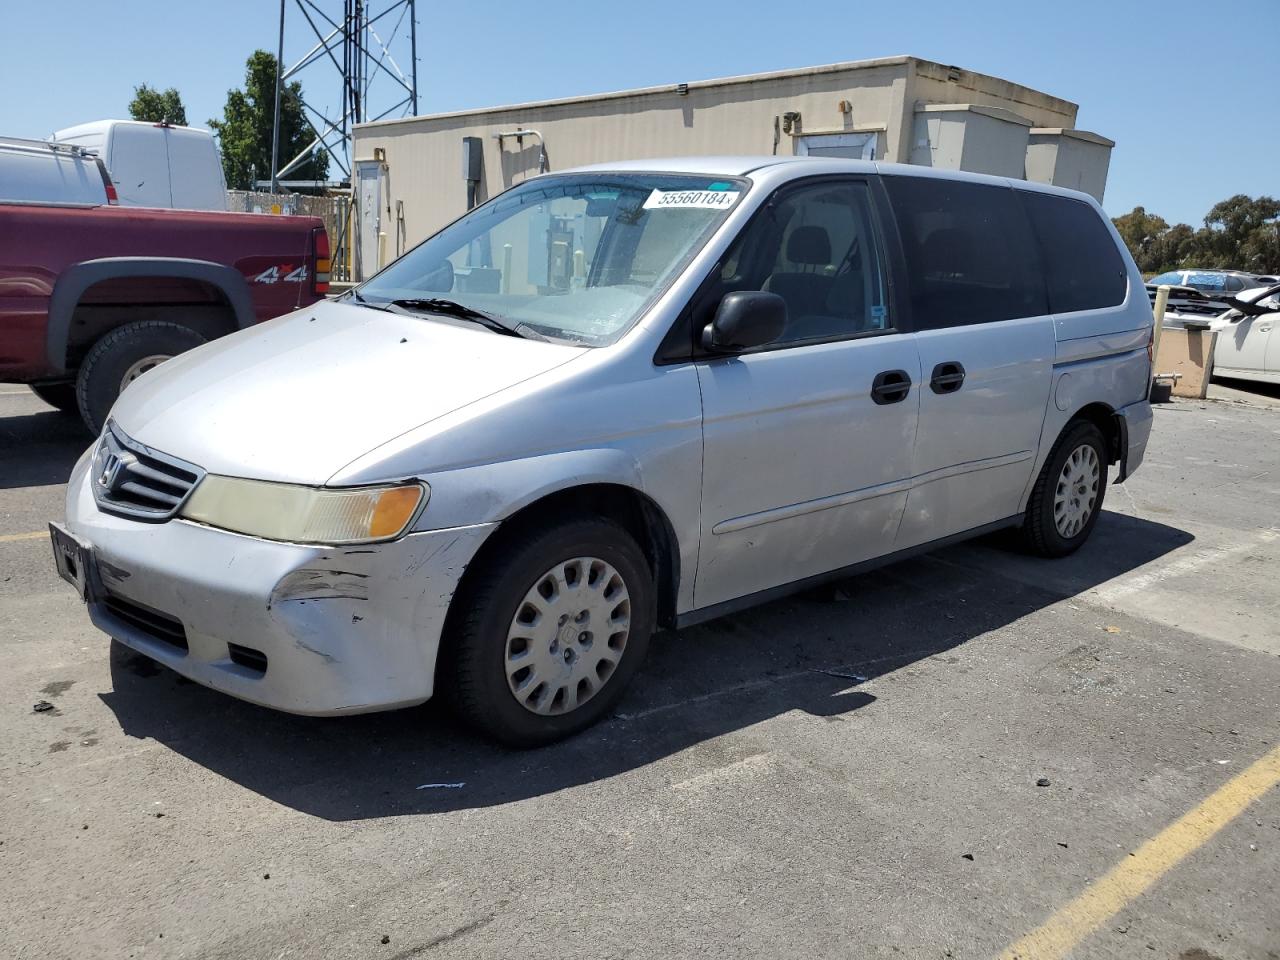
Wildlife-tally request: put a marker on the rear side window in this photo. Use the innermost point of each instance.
(969, 251)
(1083, 267)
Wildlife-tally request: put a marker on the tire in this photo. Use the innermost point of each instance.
(1065, 504)
(478, 671)
(60, 396)
(117, 355)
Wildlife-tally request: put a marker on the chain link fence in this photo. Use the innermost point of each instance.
(334, 210)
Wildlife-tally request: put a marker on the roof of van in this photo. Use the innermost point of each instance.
(738, 166)
(102, 126)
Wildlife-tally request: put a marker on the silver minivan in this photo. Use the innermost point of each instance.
(609, 400)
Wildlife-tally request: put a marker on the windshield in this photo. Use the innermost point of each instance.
(575, 258)
(1199, 279)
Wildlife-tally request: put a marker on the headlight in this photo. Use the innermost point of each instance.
(283, 511)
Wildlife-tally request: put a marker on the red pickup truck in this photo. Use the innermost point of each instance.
(92, 297)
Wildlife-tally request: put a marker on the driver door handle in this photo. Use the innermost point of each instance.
(890, 386)
(948, 377)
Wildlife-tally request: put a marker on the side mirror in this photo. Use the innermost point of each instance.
(745, 319)
(439, 279)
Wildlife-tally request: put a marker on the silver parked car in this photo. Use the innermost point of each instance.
(612, 399)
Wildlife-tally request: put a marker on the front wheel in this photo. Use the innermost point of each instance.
(122, 356)
(551, 632)
(1067, 497)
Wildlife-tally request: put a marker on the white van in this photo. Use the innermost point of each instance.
(643, 394)
(154, 164)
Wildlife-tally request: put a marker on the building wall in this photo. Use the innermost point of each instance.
(936, 83)
(425, 189)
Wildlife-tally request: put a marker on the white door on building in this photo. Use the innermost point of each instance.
(371, 247)
(849, 146)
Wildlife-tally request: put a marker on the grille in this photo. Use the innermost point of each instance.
(133, 480)
(153, 623)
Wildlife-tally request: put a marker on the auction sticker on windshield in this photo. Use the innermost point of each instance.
(691, 199)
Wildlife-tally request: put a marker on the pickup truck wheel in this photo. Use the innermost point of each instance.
(1067, 497)
(121, 357)
(551, 632)
(60, 396)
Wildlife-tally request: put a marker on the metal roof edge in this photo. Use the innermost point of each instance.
(1086, 135)
(996, 113)
(893, 61)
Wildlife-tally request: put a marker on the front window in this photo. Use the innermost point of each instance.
(575, 258)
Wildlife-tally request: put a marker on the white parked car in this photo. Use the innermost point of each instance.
(1248, 346)
(155, 164)
(37, 171)
(611, 399)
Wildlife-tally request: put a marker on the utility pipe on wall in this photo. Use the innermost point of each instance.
(520, 134)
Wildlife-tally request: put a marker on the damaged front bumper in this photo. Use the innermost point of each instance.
(305, 629)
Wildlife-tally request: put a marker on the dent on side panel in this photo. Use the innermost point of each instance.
(1102, 345)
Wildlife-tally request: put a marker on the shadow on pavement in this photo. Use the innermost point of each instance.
(696, 685)
(1270, 390)
(39, 449)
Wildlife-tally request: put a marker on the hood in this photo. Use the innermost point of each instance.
(299, 397)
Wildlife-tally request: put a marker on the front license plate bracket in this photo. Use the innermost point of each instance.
(75, 562)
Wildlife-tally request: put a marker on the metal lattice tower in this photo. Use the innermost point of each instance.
(355, 45)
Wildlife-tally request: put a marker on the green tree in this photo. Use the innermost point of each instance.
(1141, 233)
(158, 106)
(1244, 233)
(1239, 233)
(1176, 247)
(244, 132)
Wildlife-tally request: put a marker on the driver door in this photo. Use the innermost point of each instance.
(807, 453)
(1243, 344)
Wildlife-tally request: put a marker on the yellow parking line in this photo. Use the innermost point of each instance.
(13, 537)
(1130, 879)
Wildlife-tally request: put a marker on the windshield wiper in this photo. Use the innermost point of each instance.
(451, 308)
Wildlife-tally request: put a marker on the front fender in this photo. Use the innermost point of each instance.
(491, 492)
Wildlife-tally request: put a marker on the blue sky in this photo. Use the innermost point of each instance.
(1192, 125)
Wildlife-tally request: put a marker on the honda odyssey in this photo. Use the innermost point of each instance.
(609, 400)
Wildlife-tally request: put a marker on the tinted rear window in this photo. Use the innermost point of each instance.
(971, 257)
(1082, 265)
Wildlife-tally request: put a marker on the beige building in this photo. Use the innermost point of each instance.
(415, 175)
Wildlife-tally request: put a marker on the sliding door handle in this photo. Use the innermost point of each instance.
(891, 386)
(948, 377)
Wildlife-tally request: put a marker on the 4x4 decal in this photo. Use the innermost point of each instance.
(290, 274)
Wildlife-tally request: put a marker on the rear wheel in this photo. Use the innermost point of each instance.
(60, 396)
(122, 356)
(550, 632)
(1067, 498)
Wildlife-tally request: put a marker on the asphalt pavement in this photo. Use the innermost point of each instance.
(974, 753)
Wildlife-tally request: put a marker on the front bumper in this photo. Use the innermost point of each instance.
(344, 629)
